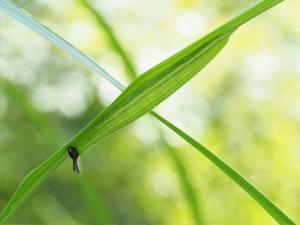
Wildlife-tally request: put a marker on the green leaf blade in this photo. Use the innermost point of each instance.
(31, 182)
(273, 210)
(147, 91)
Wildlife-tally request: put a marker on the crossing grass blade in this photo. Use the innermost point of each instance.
(275, 212)
(142, 95)
(11, 9)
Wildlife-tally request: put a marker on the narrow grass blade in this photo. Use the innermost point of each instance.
(18, 94)
(96, 207)
(11, 9)
(275, 212)
(188, 190)
(31, 182)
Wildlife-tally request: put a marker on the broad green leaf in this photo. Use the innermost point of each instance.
(275, 212)
(180, 170)
(147, 91)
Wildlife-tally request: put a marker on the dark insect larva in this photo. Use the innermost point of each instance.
(74, 155)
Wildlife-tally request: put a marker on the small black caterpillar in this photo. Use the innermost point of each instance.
(74, 155)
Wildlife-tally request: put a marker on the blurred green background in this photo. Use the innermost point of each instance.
(245, 106)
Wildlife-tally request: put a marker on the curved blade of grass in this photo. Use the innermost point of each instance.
(148, 90)
(187, 188)
(31, 182)
(11, 9)
(275, 212)
(185, 183)
(47, 129)
(115, 43)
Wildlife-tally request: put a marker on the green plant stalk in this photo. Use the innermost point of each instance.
(18, 93)
(187, 188)
(275, 212)
(112, 38)
(96, 206)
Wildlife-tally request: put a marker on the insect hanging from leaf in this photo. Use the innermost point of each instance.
(74, 155)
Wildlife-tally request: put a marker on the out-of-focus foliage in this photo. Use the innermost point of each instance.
(245, 106)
